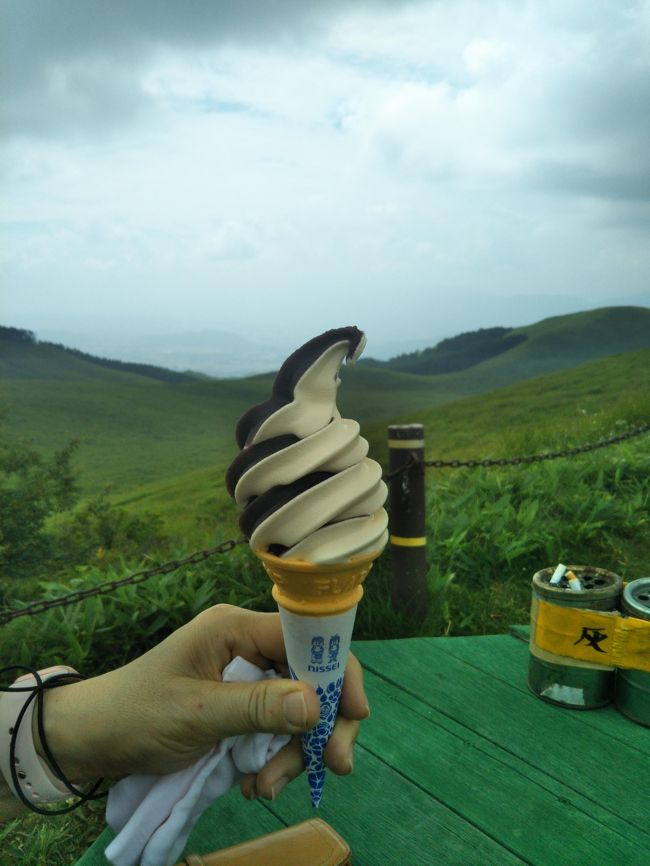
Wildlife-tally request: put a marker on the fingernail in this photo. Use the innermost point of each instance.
(279, 785)
(295, 709)
(367, 709)
(351, 763)
(253, 794)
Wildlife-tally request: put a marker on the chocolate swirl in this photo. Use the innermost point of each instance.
(307, 488)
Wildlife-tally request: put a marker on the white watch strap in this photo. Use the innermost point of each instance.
(37, 782)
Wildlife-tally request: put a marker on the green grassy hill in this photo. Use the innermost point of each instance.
(564, 341)
(129, 432)
(562, 409)
(23, 357)
(552, 344)
(134, 430)
(455, 353)
(574, 405)
(23, 360)
(158, 444)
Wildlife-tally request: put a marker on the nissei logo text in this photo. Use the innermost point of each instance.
(323, 669)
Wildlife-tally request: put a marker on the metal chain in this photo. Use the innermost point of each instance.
(227, 546)
(409, 463)
(518, 461)
(538, 458)
(111, 585)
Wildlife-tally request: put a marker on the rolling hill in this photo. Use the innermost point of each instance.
(575, 406)
(568, 408)
(532, 350)
(23, 357)
(157, 444)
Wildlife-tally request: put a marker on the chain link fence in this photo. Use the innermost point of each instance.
(539, 458)
(111, 585)
(227, 546)
(491, 462)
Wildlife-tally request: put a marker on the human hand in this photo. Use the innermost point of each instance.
(165, 709)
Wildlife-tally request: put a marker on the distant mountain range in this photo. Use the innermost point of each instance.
(503, 354)
(245, 350)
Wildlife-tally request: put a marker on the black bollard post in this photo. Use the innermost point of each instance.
(407, 527)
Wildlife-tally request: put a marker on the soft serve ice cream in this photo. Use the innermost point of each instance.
(308, 489)
(313, 511)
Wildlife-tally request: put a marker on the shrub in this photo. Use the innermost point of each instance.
(32, 489)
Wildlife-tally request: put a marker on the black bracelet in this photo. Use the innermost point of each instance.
(37, 695)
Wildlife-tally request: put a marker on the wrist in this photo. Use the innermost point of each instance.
(26, 774)
(86, 729)
(68, 744)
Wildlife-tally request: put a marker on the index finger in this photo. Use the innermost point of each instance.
(257, 637)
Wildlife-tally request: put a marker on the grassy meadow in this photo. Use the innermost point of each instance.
(161, 449)
(135, 431)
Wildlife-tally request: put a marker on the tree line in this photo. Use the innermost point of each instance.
(16, 335)
(455, 353)
(20, 335)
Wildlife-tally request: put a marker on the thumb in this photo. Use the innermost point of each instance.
(275, 706)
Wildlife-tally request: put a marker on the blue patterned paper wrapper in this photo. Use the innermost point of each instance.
(317, 651)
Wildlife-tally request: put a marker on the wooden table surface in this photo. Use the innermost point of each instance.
(459, 764)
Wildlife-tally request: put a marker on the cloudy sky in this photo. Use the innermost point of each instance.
(278, 168)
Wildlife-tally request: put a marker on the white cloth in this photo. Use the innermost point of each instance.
(154, 815)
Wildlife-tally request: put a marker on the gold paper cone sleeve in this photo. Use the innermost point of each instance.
(317, 590)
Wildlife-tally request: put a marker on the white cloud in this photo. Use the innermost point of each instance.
(232, 240)
(439, 148)
(485, 55)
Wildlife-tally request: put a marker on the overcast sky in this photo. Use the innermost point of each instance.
(278, 168)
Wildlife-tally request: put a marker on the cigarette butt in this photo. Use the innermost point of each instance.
(558, 574)
(574, 581)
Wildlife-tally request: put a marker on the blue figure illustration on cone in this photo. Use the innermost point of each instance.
(317, 650)
(333, 648)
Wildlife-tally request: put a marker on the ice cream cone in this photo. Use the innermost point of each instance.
(311, 589)
(318, 605)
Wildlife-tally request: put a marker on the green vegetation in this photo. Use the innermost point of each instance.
(16, 335)
(35, 841)
(456, 353)
(552, 344)
(572, 407)
(562, 342)
(488, 532)
(165, 446)
(31, 490)
(22, 337)
(577, 406)
(46, 532)
(136, 432)
(150, 371)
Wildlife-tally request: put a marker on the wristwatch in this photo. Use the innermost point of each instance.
(36, 780)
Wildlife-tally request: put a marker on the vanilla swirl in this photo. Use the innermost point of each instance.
(303, 478)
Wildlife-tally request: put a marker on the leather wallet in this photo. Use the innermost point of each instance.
(312, 843)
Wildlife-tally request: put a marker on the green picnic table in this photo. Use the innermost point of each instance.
(460, 764)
